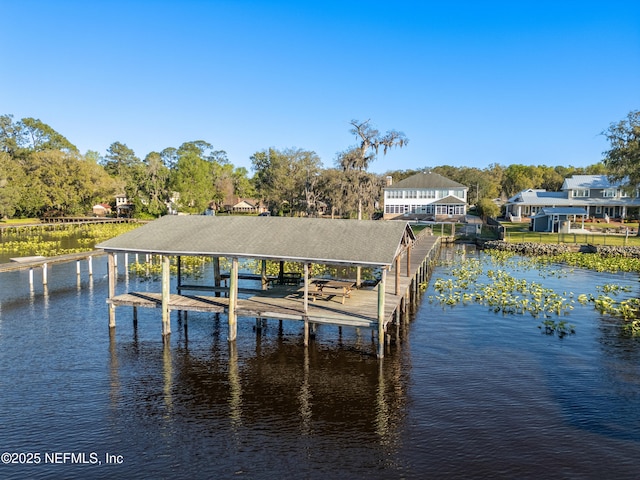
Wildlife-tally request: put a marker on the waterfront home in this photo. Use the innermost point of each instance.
(600, 197)
(425, 195)
(101, 209)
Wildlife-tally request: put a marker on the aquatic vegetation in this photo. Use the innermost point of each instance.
(488, 282)
(151, 269)
(48, 241)
(561, 328)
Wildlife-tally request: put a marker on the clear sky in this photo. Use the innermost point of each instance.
(470, 83)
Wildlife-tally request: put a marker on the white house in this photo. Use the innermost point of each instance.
(425, 195)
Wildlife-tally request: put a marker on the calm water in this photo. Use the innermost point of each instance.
(465, 394)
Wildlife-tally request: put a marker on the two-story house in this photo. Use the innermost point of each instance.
(595, 193)
(425, 195)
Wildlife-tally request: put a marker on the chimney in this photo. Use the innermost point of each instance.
(389, 180)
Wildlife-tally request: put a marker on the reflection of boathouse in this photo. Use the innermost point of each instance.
(372, 244)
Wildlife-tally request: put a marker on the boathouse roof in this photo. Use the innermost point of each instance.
(313, 240)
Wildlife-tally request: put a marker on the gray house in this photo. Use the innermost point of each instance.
(557, 219)
(594, 193)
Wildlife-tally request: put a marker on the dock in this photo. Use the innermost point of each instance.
(34, 262)
(402, 259)
(285, 302)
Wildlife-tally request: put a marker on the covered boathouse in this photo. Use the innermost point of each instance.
(353, 243)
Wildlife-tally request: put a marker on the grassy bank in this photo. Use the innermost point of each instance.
(612, 234)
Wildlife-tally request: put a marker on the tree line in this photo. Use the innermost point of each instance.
(42, 172)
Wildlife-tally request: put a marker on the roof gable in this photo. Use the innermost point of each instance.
(450, 200)
(428, 180)
(353, 242)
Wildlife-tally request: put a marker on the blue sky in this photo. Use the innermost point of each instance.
(470, 83)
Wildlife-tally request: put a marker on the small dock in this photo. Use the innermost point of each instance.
(34, 262)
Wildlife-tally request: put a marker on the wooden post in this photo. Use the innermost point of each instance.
(90, 263)
(112, 288)
(306, 288)
(179, 273)
(409, 260)
(31, 277)
(44, 274)
(281, 273)
(263, 275)
(397, 275)
(77, 267)
(166, 312)
(233, 298)
(306, 331)
(381, 295)
(216, 273)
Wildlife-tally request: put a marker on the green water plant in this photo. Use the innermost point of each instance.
(489, 283)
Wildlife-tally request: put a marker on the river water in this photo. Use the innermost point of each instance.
(466, 393)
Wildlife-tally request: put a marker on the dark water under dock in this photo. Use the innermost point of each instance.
(466, 393)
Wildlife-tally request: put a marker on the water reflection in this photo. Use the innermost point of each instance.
(463, 393)
(235, 388)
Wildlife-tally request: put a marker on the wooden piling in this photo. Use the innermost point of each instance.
(381, 295)
(166, 278)
(112, 288)
(233, 299)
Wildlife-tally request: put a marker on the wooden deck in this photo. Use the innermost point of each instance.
(285, 302)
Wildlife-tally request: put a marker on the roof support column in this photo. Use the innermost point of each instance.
(216, 273)
(306, 288)
(398, 275)
(233, 299)
(166, 282)
(179, 265)
(381, 295)
(409, 260)
(263, 275)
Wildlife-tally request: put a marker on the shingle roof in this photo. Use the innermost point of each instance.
(355, 242)
(426, 180)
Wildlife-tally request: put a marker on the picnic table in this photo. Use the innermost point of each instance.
(331, 288)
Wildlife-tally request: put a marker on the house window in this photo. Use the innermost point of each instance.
(412, 194)
(582, 192)
(609, 192)
(598, 210)
(394, 193)
(623, 194)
